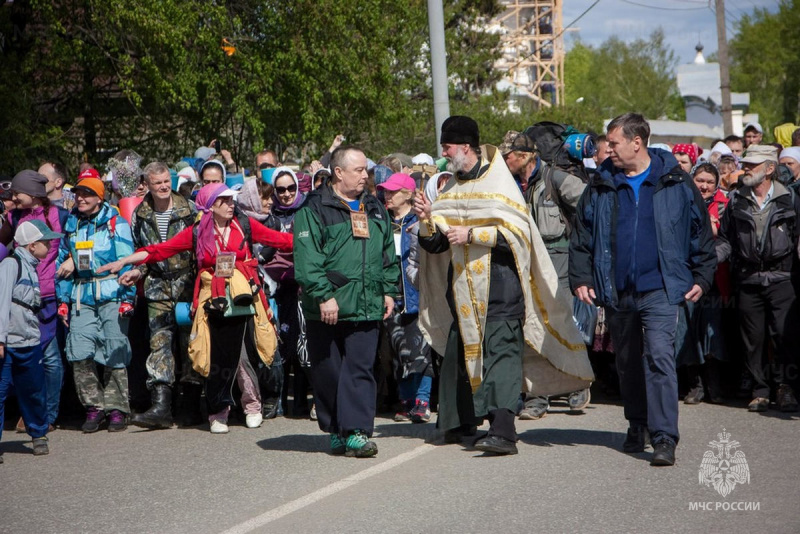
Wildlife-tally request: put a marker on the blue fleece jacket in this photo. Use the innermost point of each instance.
(637, 247)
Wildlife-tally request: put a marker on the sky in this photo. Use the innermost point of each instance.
(685, 22)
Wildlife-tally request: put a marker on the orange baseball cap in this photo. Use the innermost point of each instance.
(93, 186)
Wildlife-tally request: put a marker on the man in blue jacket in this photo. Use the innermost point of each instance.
(642, 245)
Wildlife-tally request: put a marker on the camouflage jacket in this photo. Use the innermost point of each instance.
(172, 279)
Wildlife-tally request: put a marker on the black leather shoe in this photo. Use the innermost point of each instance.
(663, 454)
(496, 445)
(636, 439)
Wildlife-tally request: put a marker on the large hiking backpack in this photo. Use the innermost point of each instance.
(550, 139)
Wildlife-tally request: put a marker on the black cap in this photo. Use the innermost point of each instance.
(460, 130)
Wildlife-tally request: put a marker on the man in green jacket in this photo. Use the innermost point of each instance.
(346, 264)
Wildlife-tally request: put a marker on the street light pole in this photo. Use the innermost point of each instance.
(724, 73)
(441, 97)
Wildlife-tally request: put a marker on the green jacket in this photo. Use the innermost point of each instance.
(330, 262)
(172, 279)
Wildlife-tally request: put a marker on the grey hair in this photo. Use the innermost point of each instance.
(155, 168)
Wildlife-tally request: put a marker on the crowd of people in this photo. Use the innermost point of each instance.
(475, 285)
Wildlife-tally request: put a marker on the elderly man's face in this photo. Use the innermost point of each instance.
(756, 173)
(793, 165)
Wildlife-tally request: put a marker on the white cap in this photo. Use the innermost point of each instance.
(34, 230)
(422, 159)
(754, 125)
(189, 174)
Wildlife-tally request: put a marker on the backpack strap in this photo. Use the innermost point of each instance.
(244, 223)
(15, 300)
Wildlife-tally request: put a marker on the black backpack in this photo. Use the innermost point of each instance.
(549, 138)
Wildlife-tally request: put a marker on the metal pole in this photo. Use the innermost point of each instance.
(724, 74)
(441, 97)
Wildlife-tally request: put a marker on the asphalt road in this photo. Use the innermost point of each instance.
(569, 476)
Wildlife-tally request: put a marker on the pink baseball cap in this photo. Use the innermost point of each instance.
(398, 181)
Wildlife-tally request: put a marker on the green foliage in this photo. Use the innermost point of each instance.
(617, 77)
(85, 78)
(765, 63)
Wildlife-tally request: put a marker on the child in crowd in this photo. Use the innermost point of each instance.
(20, 350)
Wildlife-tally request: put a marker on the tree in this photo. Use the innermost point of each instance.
(94, 76)
(89, 77)
(765, 63)
(618, 77)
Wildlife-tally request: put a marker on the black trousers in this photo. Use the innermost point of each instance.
(762, 308)
(232, 338)
(291, 332)
(342, 359)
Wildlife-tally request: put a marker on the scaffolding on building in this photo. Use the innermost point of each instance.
(533, 49)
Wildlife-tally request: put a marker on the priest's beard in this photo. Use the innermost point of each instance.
(458, 163)
(752, 179)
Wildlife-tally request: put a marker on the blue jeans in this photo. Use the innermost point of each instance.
(49, 327)
(24, 367)
(54, 377)
(415, 387)
(643, 331)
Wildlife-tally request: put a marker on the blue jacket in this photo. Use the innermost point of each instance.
(85, 286)
(410, 298)
(684, 240)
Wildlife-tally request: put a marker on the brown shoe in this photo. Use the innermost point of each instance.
(759, 404)
(21, 426)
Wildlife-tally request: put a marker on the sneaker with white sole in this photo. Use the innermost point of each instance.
(578, 400)
(218, 427)
(253, 420)
(535, 408)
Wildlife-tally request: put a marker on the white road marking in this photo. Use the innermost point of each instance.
(311, 498)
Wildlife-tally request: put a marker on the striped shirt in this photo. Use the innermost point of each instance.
(162, 219)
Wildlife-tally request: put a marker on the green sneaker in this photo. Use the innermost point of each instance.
(360, 446)
(337, 444)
